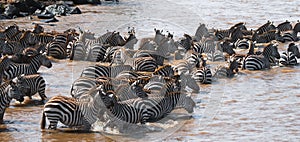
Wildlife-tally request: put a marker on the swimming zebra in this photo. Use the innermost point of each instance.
(159, 85)
(72, 112)
(32, 84)
(42, 38)
(203, 74)
(147, 64)
(228, 70)
(201, 32)
(130, 91)
(158, 36)
(16, 69)
(222, 34)
(160, 107)
(8, 91)
(186, 41)
(290, 57)
(4, 65)
(96, 52)
(242, 43)
(57, 48)
(236, 34)
(159, 58)
(207, 46)
(259, 62)
(104, 71)
(10, 31)
(13, 47)
(166, 47)
(79, 51)
(285, 26)
(267, 36)
(37, 29)
(166, 71)
(265, 28)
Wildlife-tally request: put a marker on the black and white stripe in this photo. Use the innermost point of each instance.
(32, 84)
(8, 91)
(72, 112)
(16, 69)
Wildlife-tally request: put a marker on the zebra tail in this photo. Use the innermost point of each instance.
(43, 121)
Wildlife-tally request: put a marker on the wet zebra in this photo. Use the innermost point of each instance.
(10, 31)
(236, 34)
(13, 47)
(242, 43)
(42, 38)
(72, 112)
(147, 64)
(267, 37)
(160, 107)
(8, 91)
(32, 84)
(4, 65)
(130, 91)
(289, 36)
(104, 71)
(96, 52)
(285, 26)
(290, 57)
(166, 71)
(217, 55)
(203, 74)
(158, 36)
(228, 70)
(265, 28)
(259, 62)
(222, 34)
(201, 32)
(207, 46)
(16, 69)
(159, 58)
(57, 48)
(186, 41)
(79, 51)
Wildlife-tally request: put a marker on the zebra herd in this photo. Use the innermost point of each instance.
(136, 84)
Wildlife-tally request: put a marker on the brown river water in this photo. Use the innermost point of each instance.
(255, 106)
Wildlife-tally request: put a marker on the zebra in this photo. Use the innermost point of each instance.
(290, 57)
(207, 46)
(4, 65)
(96, 52)
(222, 34)
(10, 31)
(267, 36)
(82, 85)
(116, 40)
(37, 29)
(16, 69)
(158, 36)
(227, 47)
(217, 55)
(104, 71)
(289, 36)
(285, 26)
(242, 43)
(159, 58)
(259, 62)
(186, 41)
(32, 84)
(265, 28)
(130, 91)
(57, 48)
(161, 85)
(13, 47)
(227, 71)
(8, 91)
(201, 32)
(166, 47)
(42, 38)
(147, 64)
(236, 34)
(130, 111)
(79, 51)
(203, 74)
(160, 107)
(166, 71)
(72, 112)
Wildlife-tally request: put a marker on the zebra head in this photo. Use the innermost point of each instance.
(189, 104)
(45, 61)
(108, 97)
(15, 92)
(21, 84)
(297, 27)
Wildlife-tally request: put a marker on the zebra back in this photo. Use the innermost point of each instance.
(285, 26)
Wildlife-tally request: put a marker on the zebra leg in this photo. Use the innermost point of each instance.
(53, 124)
(1, 117)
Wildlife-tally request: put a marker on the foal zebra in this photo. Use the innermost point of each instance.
(32, 84)
(8, 91)
(16, 69)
